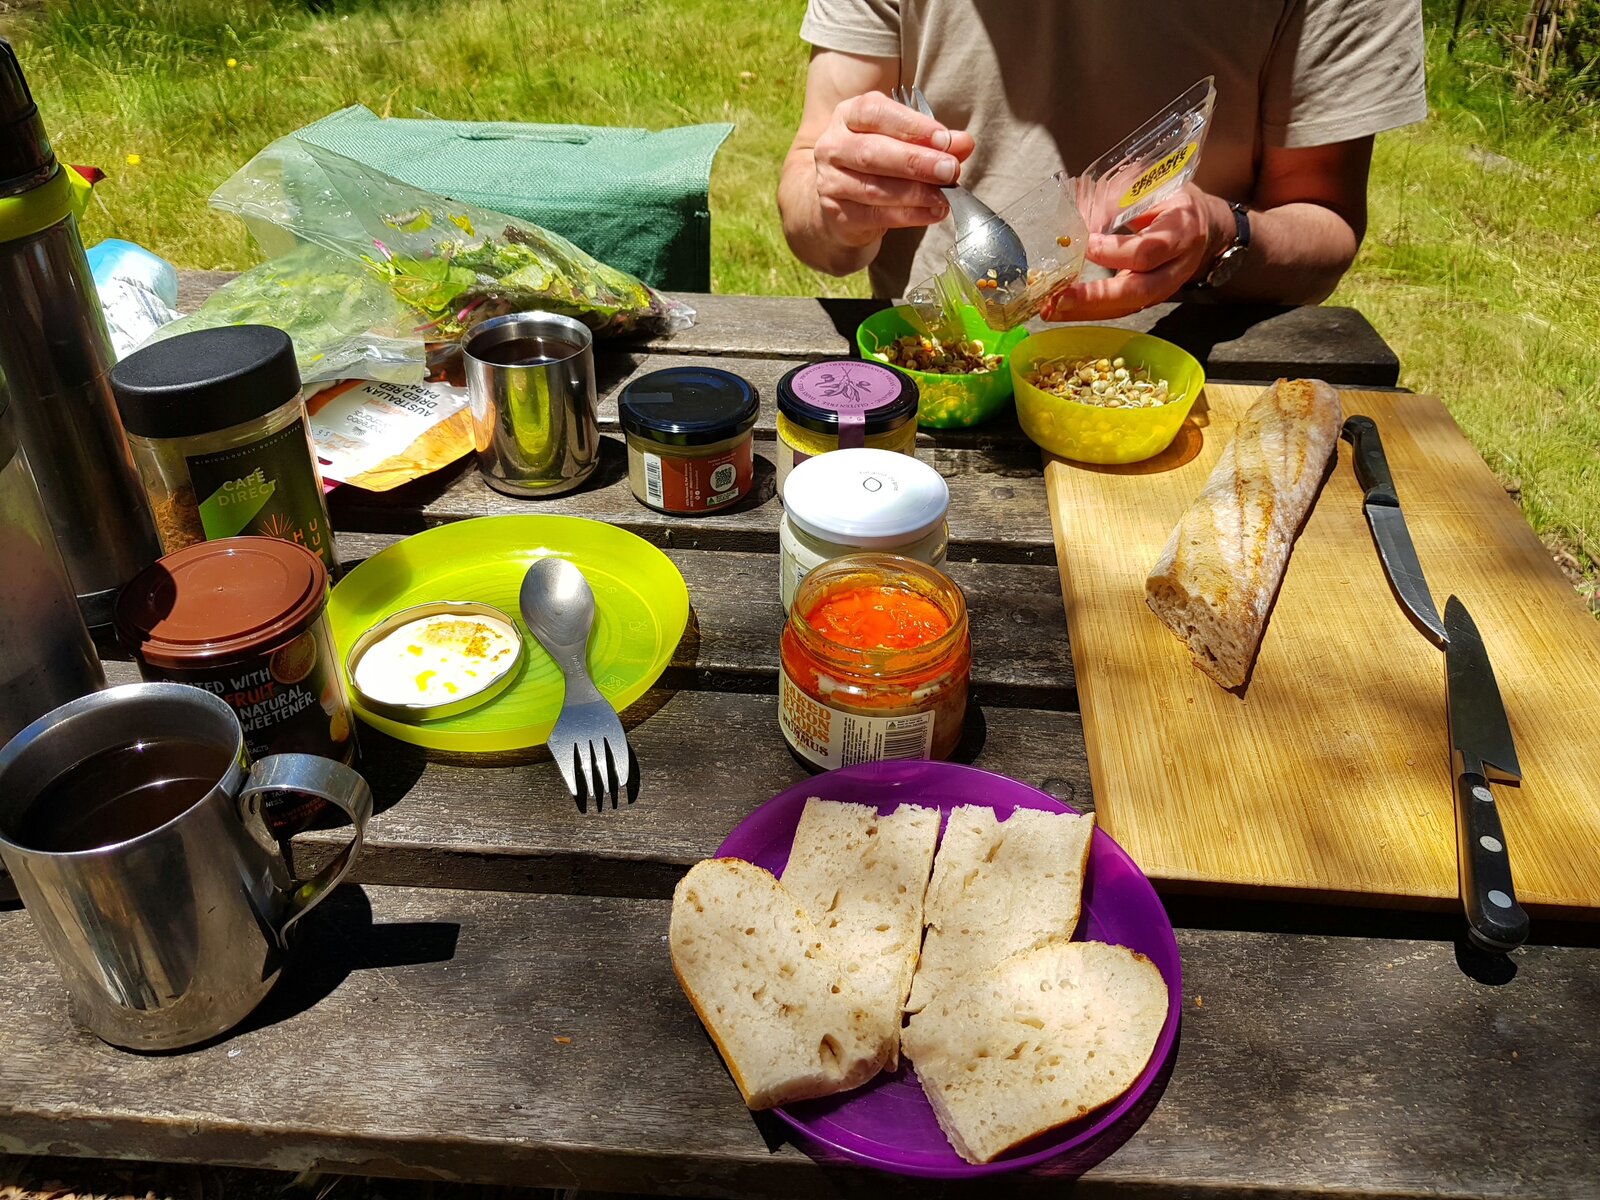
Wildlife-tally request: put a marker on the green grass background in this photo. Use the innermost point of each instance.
(1480, 267)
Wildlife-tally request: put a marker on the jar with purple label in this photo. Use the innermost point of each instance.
(840, 404)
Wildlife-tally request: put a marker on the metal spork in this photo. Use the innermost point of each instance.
(588, 743)
(994, 245)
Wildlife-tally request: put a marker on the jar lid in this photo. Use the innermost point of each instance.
(874, 499)
(205, 380)
(688, 406)
(847, 391)
(220, 601)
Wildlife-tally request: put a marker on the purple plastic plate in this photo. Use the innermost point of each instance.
(889, 1123)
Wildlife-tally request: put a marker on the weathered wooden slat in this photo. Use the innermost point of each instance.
(707, 760)
(417, 1035)
(998, 511)
(1019, 633)
(1242, 342)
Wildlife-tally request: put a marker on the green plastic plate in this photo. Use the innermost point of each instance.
(641, 601)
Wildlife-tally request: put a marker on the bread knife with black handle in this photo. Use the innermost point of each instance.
(1389, 532)
(1482, 752)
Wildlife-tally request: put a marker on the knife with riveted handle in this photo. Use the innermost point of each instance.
(1482, 752)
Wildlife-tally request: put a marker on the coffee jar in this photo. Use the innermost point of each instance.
(246, 620)
(220, 436)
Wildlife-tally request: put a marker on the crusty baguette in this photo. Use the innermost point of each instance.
(778, 1005)
(1215, 581)
(997, 888)
(861, 878)
(1036, 1041)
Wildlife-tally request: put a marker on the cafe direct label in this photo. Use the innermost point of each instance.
(268, 488)
(696, 485)
(832, 738)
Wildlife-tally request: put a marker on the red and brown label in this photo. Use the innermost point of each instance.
(696, 485)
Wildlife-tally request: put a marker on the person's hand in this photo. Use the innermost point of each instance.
(1167, 249)
(880, 166)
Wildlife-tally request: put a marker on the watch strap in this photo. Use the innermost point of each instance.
(1225, 265)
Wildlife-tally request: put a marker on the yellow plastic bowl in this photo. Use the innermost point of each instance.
(1087, 432)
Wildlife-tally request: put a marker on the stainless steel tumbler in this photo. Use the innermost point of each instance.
(46, 655)
(55, 357)
(173, 936)
(530, 377)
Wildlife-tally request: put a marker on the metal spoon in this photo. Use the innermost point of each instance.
(588, 743)
(995, 246)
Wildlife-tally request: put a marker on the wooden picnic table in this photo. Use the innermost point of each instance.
(492, 1001)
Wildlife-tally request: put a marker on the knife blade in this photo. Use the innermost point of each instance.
(1481, 752)
(1388, 524)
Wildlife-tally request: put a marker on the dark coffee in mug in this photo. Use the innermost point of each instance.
(120, 793)
(526, 352)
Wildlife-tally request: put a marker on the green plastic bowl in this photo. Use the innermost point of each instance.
(947, 401)
(1087, 432)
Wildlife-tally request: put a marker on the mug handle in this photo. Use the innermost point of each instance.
(339, 785)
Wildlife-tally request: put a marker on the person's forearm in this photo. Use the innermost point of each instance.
(1298, 252)
(803, 227)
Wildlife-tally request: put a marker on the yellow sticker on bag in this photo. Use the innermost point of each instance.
(1157, 174)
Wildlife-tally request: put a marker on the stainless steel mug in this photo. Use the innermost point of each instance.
(174, 935)
(46, 654)
(530, 377)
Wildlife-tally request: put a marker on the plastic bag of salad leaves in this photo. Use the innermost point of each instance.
(453, 264)
(345, 321)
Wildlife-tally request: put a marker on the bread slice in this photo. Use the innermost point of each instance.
(997, 888)
(861, 878)
(1215, 580)
(787, 1021)
(1036, 1041)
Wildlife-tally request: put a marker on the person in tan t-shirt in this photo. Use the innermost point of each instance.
(1024, 88)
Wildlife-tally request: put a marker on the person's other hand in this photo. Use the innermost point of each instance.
(1167, 249)
(880, 166)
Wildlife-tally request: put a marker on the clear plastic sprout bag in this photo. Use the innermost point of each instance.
(1052, 223)
(1148, 165)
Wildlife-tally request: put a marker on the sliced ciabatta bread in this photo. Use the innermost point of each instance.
(1215, 580)
(861, 878)
(1036, 1041)
(999, 887)
(777, 1003)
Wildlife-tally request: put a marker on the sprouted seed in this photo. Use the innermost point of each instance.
(938, 357)
(1105, 382)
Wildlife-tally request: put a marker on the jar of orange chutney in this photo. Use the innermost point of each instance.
(874, 662)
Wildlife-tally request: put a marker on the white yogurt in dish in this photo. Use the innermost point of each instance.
(438, 659)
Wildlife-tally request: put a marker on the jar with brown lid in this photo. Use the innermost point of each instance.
(246, 619)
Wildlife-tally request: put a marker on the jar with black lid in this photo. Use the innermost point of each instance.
(690, 432)
(219, 432)
(840, 404)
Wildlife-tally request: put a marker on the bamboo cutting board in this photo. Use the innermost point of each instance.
(1328, 778)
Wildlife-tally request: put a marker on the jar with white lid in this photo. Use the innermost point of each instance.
(860, 499)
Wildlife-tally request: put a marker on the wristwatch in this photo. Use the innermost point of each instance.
(1231, 259)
